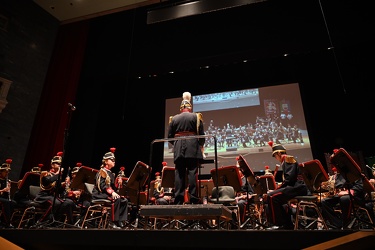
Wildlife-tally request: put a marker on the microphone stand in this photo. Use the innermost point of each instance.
(57, 187)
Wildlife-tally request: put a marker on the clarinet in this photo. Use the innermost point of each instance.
(8, 184)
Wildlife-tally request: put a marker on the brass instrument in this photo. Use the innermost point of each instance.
(158, 186)
(49, 186)
(329, 186)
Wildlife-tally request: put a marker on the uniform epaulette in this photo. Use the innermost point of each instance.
(290, 159)
(200, 116)
(170, 118)
(103, 173)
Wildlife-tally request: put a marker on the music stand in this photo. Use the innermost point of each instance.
(347, 166)
(137, 180)
(139, 176)
(350, 170)
(227, 176)
(84, 175)
(246, 170)
(313, 174)
(167, 179)
(264, 184)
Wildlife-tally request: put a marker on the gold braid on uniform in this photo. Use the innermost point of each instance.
(170, 118)
(290, 159)
(50, 185)
(199, 120)
(103, 174)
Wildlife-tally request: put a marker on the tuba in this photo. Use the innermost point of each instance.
(49, 186)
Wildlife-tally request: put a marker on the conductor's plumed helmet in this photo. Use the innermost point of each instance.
(186, 101)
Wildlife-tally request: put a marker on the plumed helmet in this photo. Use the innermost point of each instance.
(6, 165)
(186, 101)
(76, 168)
(37, 169)
(58, 158)
(276, 148)
(157, 175)
(110, 155)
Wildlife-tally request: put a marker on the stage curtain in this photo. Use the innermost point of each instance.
(60, 87)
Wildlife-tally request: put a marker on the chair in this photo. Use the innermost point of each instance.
(308, 215)
(98, 213)
(347, 166)
(226, 195)
(34, 212)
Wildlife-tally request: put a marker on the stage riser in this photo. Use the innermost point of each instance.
(187, 212)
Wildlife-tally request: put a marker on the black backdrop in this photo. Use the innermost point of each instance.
(126, 74)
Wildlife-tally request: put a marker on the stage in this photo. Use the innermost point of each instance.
(191, 232)
(99, 239)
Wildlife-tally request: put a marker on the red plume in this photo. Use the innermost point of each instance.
(270, 143)
(237, 158)
(79, 164)
(9, 161)
(335, 150)
(122, 168)
(157, 174)
(164, 163)
(267, 167)
(40, 165)
(112, 150)
(59, 153)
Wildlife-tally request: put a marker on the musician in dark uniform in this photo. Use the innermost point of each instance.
(160, 197)
(187, 152)
(106, 187)
(7, 204)
(81, 198)
(342, 200)
(245, 195)
(52, 191)
(277, 209)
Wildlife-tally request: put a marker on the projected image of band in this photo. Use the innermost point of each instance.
(243, 121)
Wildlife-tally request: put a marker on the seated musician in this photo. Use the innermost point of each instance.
(51, 192)
(81, 198)
(106, 188)
(22, 196)
(276, 204)
(161, 198)
(342, 200)
(7, 204)
(245, 196)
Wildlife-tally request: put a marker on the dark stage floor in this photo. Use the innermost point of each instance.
(56, 239)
